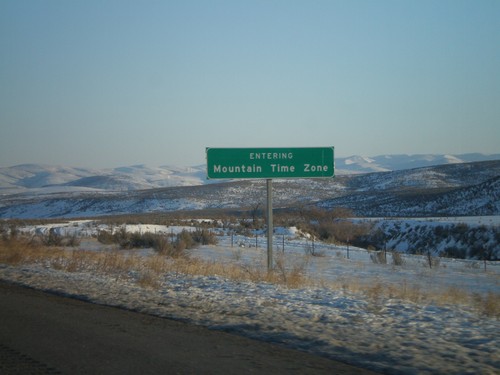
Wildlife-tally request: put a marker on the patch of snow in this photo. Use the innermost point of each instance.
(452, 159)
(370, 330)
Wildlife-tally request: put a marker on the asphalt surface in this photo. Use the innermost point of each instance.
(42, 333)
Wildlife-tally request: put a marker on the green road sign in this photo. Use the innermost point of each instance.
(302, 162)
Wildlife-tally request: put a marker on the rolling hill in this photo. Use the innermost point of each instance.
(450, 189)
(39, 178)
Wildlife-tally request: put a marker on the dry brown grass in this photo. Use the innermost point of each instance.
(149, 279)
(148, 272)
(490, 305)
(21, 250)
(453, 295)
(12, 252)
(290, 273)
(376, 291)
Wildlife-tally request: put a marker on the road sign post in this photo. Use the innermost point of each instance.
(270, 163)
(270, 226)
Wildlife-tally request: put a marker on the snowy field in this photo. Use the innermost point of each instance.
(328, 316)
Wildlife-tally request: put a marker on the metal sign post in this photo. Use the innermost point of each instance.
(270, 228)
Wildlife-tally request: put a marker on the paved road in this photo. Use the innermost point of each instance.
(43, 333)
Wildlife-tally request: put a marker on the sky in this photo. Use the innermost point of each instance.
(103, 84)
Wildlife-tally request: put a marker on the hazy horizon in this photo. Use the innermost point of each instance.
(203, 163)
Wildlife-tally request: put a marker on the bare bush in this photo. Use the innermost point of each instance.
(4, 231)
(105, 237)
(204, 237)
(72, 241)
(291, 274)
(162, 245)
(489, 304)
(397, 259)
(52, 238)
(183, 241)
(433, 262)
(378, 257)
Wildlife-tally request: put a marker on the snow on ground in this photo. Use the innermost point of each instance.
(332, 265)
(378, 332)
(493, 220)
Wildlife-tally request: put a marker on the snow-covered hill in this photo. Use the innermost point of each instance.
(386, 163)
(47, 178)
(39, 178)
(456, 189)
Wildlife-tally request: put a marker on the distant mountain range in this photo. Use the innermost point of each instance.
(32, 178)
(40, 179)
(387, 163)
(456, 189)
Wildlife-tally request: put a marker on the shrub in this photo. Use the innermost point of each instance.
(204, 237)
(72, 241)
(432, 262)
(13, 231)
(105, 237)
(185, 240)
(145, 240)
(286, 273)
(476, 251)
(9, 230)
(121, 237)
(4, 231)
(461, 228)
(496, 234)
(162, 244)
(454, 252)
(378, 257)
(440, 231)
(52, 238)
(489, 305)
(397, 259)
(159, 242)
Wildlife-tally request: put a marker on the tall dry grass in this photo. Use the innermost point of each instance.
(149, 272)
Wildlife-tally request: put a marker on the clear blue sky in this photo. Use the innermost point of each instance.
(112, 83)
